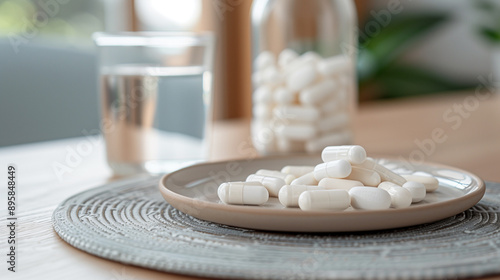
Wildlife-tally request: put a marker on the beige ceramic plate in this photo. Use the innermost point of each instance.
(193, 190)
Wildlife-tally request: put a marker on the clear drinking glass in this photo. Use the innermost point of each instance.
(155, 90)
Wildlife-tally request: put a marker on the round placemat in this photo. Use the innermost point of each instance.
(129, 222)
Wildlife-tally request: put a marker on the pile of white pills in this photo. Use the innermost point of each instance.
(301, 103)
(346, 178)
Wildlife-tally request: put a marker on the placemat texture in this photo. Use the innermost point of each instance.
(129, 222)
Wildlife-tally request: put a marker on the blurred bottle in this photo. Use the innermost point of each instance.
(303, 74)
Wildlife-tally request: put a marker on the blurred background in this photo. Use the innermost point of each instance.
(48, 66)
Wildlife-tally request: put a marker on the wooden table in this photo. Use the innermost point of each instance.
(468, 138)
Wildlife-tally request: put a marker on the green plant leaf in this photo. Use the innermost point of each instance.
(406, 80)
(485, 6)
(490, 34)
(385, 47)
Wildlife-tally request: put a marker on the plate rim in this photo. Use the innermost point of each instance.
(245, 209)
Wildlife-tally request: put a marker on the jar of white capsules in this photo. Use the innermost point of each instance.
(304, 76)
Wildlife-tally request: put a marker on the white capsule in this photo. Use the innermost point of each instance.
(250, 193)
(366, 176)
(330, 106)
(343, 97)
(334, 138)
(296, 170)
(272, 76)
(257, 79)
(264, 60)
(431, 184)
(422, 173)
(297, 132)
(385, 173)
(416, 189)
(288, 178)
(272, 184)
(342, 184)
(345, 81)
(306, 179)
(368, 198)
(267, 147)
(317, 93)
(262, 111)
(286, 57)
(332, 169)
(311, 56)
(289, 146)
(299, 63)
(352, 153)
(301, 77)
(400, 197)
(263, 137)
(335, 65)
(296, 113)
(284, 96)
(289, 194)
(320, 200)
(263, 95)
(333, 122)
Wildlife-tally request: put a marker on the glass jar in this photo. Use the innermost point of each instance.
(304, 74)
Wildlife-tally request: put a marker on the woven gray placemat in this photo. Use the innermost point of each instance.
(129, 222)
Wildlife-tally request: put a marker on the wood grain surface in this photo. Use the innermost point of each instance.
(469, 139)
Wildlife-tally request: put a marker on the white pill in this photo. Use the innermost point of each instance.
(297, 113)
(422, 173)
(263, 94)
(335, 65)
(296, 131)
(330, 106)
(342, 184)
(289, 146)
(366, 176)
(263, 137)
(352, 153)
(264, 60)
(301, 77)
(345, 81)
(306, 179)
(286, 57)
(342, 97)
(332, 169)
(289, 194)
(431, 184)
(266, 147)
(272, 184)
(385, 173)
(333, 122)
(250, 193)
(272, 76)
(320, 200)
(368, 198)
(262, 111)
(334, 138)
(311, 56)
(400, 197)
(416, 189)
(284, 96)
(257, 79)
(305, 59)
(297, 170)
(317, 93)
(288, 178)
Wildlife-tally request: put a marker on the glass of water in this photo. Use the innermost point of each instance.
(155, 91)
